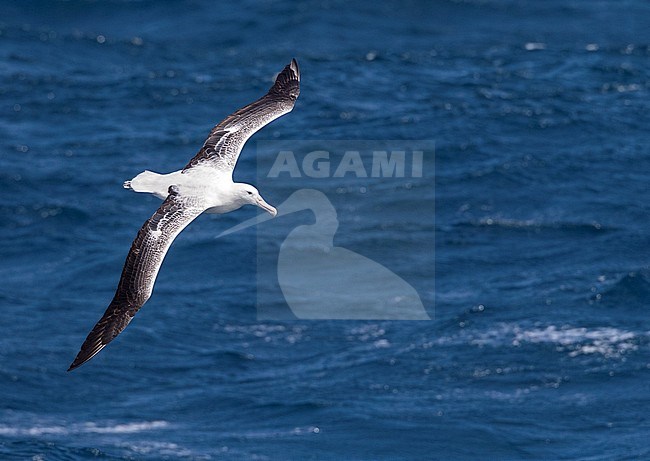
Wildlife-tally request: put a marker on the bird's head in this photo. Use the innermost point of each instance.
(249, 195)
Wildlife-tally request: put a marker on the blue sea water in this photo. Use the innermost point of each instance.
(534, 264)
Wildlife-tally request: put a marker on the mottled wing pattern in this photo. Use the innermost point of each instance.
(225, 142)
(140, 270)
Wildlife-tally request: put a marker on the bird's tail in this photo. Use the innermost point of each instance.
(149, 182)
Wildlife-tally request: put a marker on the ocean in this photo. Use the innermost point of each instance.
(516, 239)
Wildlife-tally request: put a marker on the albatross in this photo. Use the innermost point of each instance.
(205, 184)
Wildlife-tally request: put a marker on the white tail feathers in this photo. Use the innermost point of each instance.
(149, 182)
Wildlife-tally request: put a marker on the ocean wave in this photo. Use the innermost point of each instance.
(634, 286)
(607, 342)
(533, 224)
(20, 216)
(164, 449)
(85, 428)
(271, 333)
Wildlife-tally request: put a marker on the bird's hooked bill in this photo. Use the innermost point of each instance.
(266, 207)
(286, 207)
(303, 199)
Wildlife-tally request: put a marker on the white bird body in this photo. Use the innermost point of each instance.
(216, 189)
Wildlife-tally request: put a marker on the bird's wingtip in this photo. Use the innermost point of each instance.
(77, 362)
(294, 67)
(73, 365)
(89, 349)
(287, 82)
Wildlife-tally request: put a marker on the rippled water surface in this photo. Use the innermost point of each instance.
(533, 264)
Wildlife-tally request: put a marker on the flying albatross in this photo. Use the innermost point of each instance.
(204, 185)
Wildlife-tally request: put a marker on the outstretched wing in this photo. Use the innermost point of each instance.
(140, 270)
(223, 146)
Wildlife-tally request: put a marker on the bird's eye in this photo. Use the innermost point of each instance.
(249, 192)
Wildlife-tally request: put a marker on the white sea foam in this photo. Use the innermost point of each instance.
(366, 332)
(125, 428)
(606, 341)
(85, 428)
(34, 431)
(166, 449)
(269, 333)
(108, 431)
(381, 343)
(532, 46)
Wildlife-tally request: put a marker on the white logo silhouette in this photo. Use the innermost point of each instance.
(321, 281)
